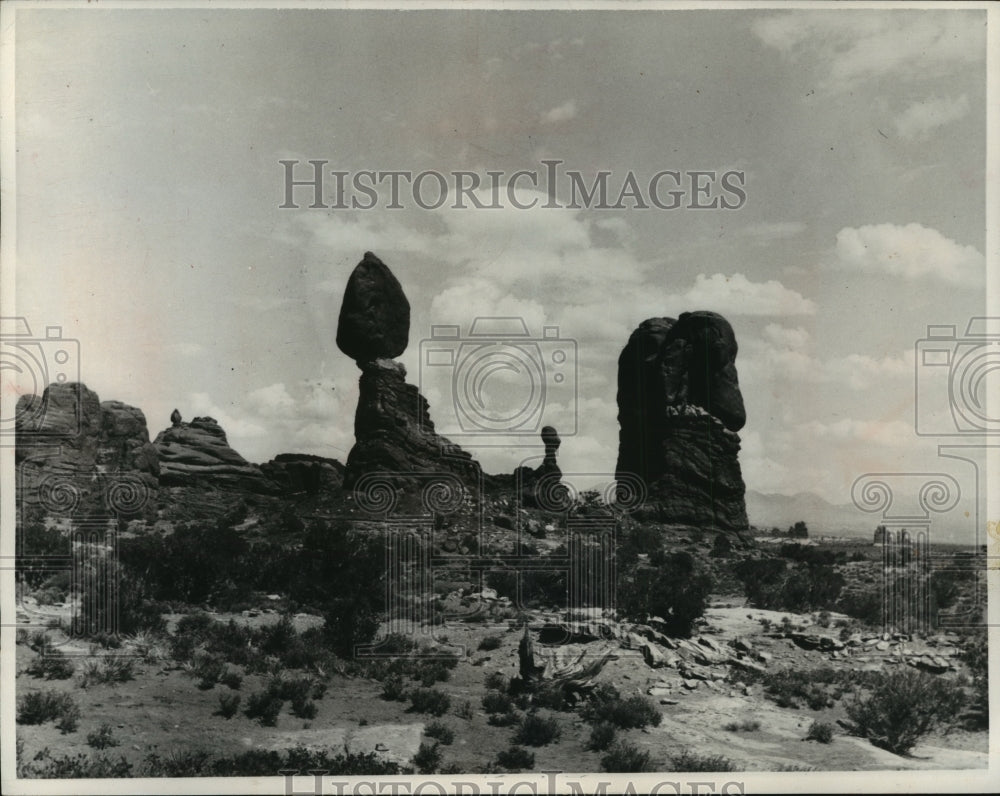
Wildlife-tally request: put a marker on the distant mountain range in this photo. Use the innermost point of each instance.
(821, 516)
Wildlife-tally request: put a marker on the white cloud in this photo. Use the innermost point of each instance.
(561, 113)
(737, 295)
(921, 118)
(852, 47)
(795, 339)
(911, 251)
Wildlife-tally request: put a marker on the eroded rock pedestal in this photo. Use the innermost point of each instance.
(679, 408)
(393, 431)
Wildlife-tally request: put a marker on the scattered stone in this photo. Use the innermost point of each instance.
(691, 685)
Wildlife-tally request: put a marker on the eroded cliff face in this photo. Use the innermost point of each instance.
(679, 411)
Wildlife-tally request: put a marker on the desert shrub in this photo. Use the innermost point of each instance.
(394, 689)
(864, 604)
(429, 700)
(304, 708)
(52, 664)
(265, 707)
(440, 731)
(536, 730)
(490, 643)
(769, 583)
(602, 735)
(427, 759)
(675, 591)
(115, 667)
(79, 766)
(464, 711)
(70, 719)
(789, 687)
(231, 678)
(903, 706)
(508, 719)
(820, 731)
(747, 725)
(496, 680)
(102, 738)
(624, 757)
(228, 705)
(516, 758)
(549, 695)
(38, 707)
(430, 672)
(688, 760)
(606, 705)
(497, 702)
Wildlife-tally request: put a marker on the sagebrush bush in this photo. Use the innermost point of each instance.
(601, 736)
(688, 760)
(229, 704)
(496, 681)
(440, 731)
(606, 705)
(102, 738)
(536, 730)
(747, 725)
(820, 731)
(902, 706)
(496, 702)
(427, 759)
(516, 758)
(675, 590)
(265, 707)
(115, 667)
(490, 643)
(79, 766)
(429, 700)
(52, 664)
(394, 689)
(624, 757)
(38, 707)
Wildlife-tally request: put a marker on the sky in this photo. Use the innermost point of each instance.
(149, 224)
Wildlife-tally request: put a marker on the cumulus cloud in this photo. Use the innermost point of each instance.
(910, 251)
(561, 113)
(737, 295)
(922, 118)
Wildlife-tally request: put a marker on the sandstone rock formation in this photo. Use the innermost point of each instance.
(79, 457)
(375, 316)
(392, 427)
(198, 454)
(679, 408)
(302, 473)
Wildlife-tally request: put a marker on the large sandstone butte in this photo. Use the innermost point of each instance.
(78, 456)
(679, 408)
(393, 431)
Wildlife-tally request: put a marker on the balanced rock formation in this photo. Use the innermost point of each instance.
(375, 316)
(198, 454)
(392, 427)
(679, 408)
(77, 456)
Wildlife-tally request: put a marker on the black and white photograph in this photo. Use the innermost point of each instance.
(499, 397)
